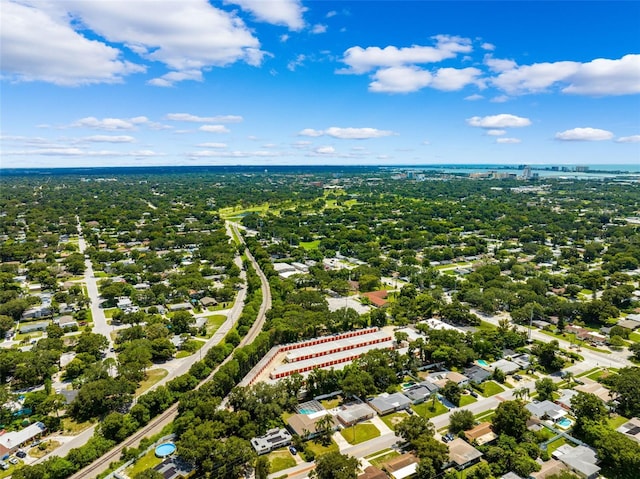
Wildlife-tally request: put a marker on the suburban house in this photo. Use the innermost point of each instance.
(179, 307)
(31, 327)
(548, 468)
(387, 403)
(377, 298)
(507, 367)
(372, 472)
(10, 442)
(440, 378)
(631, 428)
(476, 374)
(580, 459)
(354, 413)
(481, 434)
(402, 466)
(208, 301)
(421, 392)
(305, 425)
(67, 322)
(462, 454)
(273, 439)
(546, 410)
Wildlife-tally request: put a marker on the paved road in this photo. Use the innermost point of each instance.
(100, 325)
(155, 425)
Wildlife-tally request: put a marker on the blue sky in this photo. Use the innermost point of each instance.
(191, 82)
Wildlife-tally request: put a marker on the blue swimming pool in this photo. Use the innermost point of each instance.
(166, 449)
(482, 362)
(307, 411)
(564, 422)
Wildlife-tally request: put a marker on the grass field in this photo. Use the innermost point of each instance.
(616, 421)
(394, 418)
(148, 461)
(425, 411)
(214, 322)
(310, 245)
(108, 313)
(71, 427)
(491, 387)
(467, 399)
(153, 376)
(556, 444)
(319, 449)
(37, 452)
(280, 460)
(331, 403)
(380, 460)
(361, 432)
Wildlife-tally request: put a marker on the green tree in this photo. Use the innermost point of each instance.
(626, 386)
(461, 420)
(511, 419)
(334, 465)
(545, 388)
(262, 467)
(451, 392)
(148, 474)
(587, 408)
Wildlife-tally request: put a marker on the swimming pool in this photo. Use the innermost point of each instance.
(564, 423)
(307, 411)
(482, 362)
(166, 449)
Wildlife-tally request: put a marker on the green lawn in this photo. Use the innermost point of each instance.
(280, 460)
(214, 322)
(71, 427)
(361, 432)
(319, 449)
(491, 387)
(108, 313)
(394, 418)
(467, 399)
(331, 403)
(185, 353)
(425, 410)
(153, 376)
(380, 460)
(310, 245)
(556, 444)
(635, 337)
(616, 421)
(485, 416)
(148, 461)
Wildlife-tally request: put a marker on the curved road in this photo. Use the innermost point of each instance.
(156, 424)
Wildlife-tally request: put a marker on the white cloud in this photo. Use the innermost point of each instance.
(607, 77)
(284, 37)
(297, 62)
(499, 99)
(347, 133)
(357, 133)
(276, 12)
(488, 46)
(509, 141)
(504, 120)
(426, 142)
(451, 79)
(186, 36)
(496, 132)
(110, 124)
(204, 119)
(301, 144)
(214, 128)
(474, 97)
(629, 139)
(234, 154)
(584, 134)
(325, 150)
(318, 29)
(110, 139)
(37, 46)
(212, 145)
(362, 60)
(401, 79)
(311, 132)
(499, 65)
(330, 14)
(600, 77)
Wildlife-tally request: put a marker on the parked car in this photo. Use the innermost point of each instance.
(14, 460)
(473, 394)
(4, 465)
(517, 377)
(293, 450)
(21, 454)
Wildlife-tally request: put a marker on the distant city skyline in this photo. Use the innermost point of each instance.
(278, 82)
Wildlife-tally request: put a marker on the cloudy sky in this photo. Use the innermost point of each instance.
(191, 82)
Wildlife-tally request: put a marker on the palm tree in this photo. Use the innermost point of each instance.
(569, 377)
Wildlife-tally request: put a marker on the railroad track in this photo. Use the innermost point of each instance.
(157, 423)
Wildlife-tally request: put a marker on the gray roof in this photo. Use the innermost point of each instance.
(581, 459)
(510, 475)
(505, 366)
(476, 374)
(417, 392)
(545, 408)
(385, 401)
